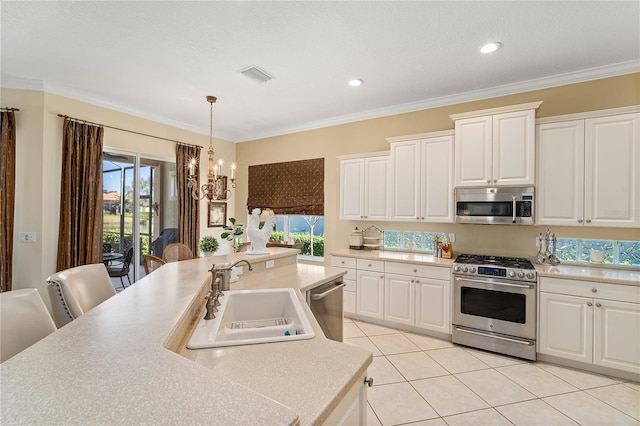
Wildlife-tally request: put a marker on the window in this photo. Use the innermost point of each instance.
(575, 250)
(294, 190)
(305, 230)
(399, 240)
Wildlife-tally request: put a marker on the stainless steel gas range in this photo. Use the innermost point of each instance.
(494, 304)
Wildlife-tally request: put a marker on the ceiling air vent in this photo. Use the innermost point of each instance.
(255, 73)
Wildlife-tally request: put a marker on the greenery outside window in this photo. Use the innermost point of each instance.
(303, 229)
(616, 252)
(399, 240)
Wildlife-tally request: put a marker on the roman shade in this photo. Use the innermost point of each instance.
(292, 187)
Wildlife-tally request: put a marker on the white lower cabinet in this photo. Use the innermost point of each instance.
(590, 322)
(399, 304)
(347, 264)
(352, 410)
(418, 295)
(433, 303)
(370, 288)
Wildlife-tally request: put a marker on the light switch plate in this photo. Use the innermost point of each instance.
(269, 264)
(27, 237)
(452, 237)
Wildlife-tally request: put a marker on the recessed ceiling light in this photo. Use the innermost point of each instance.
(491, 47)
(356, 82)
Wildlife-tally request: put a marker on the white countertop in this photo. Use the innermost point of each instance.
(113, 365)
(590, 273)
(582, 272)
(396, 256)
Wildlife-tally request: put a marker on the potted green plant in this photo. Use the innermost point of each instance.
(208, 245)
(233, 232)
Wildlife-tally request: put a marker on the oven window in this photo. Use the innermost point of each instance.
(494, 304)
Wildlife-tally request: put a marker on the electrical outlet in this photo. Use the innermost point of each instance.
(452, 237)
(538, 242)
(27, 237)
(269, 264)
(239, 270)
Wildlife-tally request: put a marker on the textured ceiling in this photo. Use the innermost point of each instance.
(159, 60)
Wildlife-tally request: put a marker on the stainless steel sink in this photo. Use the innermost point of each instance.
(247, 317)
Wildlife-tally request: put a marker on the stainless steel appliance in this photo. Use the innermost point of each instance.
(495, 205)
(325, 302)
(494, 304)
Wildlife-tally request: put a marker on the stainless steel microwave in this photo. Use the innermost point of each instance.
(495, 205)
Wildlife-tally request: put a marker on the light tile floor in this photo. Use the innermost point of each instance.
(428, 381)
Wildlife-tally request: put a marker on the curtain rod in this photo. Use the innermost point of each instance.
(128, 131)
(9, 109)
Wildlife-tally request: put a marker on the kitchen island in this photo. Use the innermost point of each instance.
(125, 361)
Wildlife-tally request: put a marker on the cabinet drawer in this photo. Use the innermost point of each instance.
(343, 262)
(370, 265)
(619, 292)
(418, 270)
(350, 285)
(351, 275)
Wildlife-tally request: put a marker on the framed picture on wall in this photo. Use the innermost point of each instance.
(217, 216)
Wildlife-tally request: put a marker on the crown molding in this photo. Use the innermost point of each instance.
(595, 73)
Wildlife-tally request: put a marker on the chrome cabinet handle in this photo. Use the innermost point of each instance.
(579, 220)
(598, 305)
(588, 220)
(495, 181)
(594, 290)
(369, 381)
(589, 304)
(488, 180)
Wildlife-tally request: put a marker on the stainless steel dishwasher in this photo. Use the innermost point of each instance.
(325, 302)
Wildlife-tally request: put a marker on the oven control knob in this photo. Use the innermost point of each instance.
(456, 268)
(520, 274)
(465, 269)
(512, 274)
(473, 270)
(530, 275)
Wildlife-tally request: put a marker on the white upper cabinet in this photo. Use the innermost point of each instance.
(422, 177)
(611, 162)
(364, 188)
(588, 171)
(495, 147)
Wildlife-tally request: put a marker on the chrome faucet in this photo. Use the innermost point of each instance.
(220, 279)
(223, 274)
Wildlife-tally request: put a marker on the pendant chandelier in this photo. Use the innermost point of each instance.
(217, 186)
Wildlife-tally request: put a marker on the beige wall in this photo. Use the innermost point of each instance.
(38, 166)
(369, 136)
(39, 155)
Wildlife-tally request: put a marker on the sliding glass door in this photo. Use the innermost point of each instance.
(139, 204)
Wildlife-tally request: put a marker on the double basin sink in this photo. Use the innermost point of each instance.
(247, 317)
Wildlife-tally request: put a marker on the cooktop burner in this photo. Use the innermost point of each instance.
(494, 266)
(507, 262)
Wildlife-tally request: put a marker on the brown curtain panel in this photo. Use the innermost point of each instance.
(188, 225)
(292, 187)
(7, 196)
(80, 230)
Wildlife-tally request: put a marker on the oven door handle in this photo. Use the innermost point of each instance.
(497, 283)
(326, 293)
(513, 200)
(522, 342)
